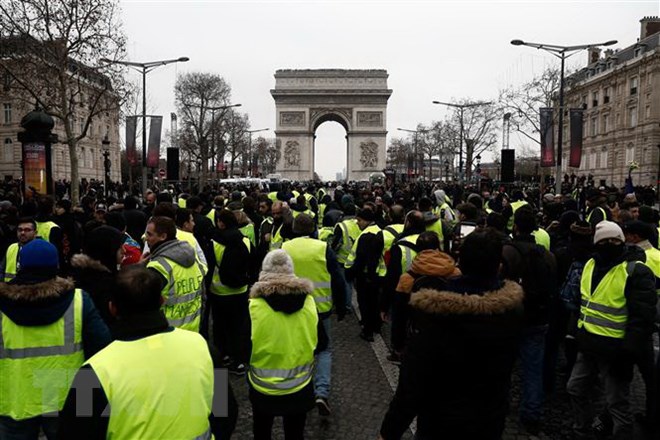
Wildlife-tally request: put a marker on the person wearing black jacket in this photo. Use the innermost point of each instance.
(136, 305)
(455, 374)
(228, 295)
(136, 220)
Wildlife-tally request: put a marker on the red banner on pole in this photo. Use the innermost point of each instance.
(131, 152)
(547, 137)
(576, 117)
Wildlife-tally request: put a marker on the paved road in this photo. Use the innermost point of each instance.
(362, 387)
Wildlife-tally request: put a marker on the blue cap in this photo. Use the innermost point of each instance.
(38, 253)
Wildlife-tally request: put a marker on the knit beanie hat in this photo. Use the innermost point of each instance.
(102, 245)
(38, 254)
(276, 262)
(607, 229)
(366, 214)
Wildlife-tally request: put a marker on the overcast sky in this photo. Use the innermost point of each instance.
(432, 50)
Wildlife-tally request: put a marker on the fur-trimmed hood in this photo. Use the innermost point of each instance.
(507, 298)
(283, 293)
(85, 262)
(36, 304)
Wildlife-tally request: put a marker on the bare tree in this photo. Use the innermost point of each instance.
(196, 93)
(236, 125)
(50, 50)
(267, 154)
(398, 153)
(523, 102)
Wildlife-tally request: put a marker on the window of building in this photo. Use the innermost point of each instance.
(647, 112)
(90, 158)
(606, 95)
(7, 108)
(594, 126)
(633, 117)
(592, 160)
(634, 83)
(606, 123)
(8, 152)
(594, 99)
(603, 159)
(6, 82)
(630, 154)
(82, 125)
(638, 52)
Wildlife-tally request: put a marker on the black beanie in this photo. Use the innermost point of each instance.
(102, 244)
(367, 214)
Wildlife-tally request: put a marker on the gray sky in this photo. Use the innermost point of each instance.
(432, 50)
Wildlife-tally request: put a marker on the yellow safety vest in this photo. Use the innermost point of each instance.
(307, 211)
(541, 237)
(158, 387)
(350, 231)
(653, 260)
(381, 270)
(514, 207)
(248, 232)
(216, 283)
(325, 233)
(389, 238)
(189, 238)
(211, 216)
(182, 293)
(437, 228)
(273, 196)
(308, 200)
(38, 364)
(592, 211)
(276, 239)
(603, 311)
(282, 359)
(43, 229)
(11, 262)
(407, 254)
(439, 211)
(322, 207)
(308, 256)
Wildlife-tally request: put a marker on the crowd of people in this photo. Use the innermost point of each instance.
(116, 314)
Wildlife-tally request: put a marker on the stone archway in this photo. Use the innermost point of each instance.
(357, 99)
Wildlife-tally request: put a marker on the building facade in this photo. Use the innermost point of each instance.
(619, 92)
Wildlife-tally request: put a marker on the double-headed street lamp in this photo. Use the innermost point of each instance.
(144, 68)
(460, 108)
(213, 110)
(250, 163)
(561, 52)
(416, 154)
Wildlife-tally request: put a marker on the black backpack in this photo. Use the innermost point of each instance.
(537, 279)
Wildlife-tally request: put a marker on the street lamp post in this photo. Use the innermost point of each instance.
(249, 132)
(460, 108)
(144, 68)
(213, 110)
(416, 154)
(561, 52)
(106, 164)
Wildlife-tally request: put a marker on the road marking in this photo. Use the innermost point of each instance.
(381, 351)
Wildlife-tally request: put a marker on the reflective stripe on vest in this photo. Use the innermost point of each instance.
(350, 231)
(514, 207)
(276, 239)
(407, 254)
(282, 358)
(592, 211)
(603, 311)
(248, 232)
(217, 287)
(182, 307)
(11, 262)
(308, 256)
(38, 363)
(381, 270)
(44, 228)
(155, 406)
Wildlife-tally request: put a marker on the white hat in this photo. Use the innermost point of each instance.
(277, 262)
(607, 229)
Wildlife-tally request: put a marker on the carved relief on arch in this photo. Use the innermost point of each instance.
(292, 154)
(369, 154)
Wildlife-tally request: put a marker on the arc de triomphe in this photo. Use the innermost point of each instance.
(357, 99)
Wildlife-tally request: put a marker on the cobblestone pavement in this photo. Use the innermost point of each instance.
(362, 384)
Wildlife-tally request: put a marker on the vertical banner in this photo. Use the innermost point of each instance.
(547, 137)
(131, 152)
(34, 168)
(153, 152)
(576, 115)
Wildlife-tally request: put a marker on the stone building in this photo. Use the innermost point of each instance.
(619, 91)
(90, 149)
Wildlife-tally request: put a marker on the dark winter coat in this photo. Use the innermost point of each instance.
(237, 264)
(457, 366)
(40, 304)
(97, 280)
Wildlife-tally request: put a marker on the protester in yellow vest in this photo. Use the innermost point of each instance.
(616, 320)
(185, 225)
(366, 266)
(518, 200)
(345, 233)
(47, 229)
(284, 333)
(153, 382)
(314, 259)
(26, 231)
(228, 296)
(47, 330)
(181, 273)
(280, 228)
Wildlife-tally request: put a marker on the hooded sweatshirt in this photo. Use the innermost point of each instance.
(178, 251)
(429, 263)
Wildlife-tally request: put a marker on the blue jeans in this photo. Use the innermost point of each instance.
(532, 348)
(28, 429)
(323, 366)
(349, 288)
